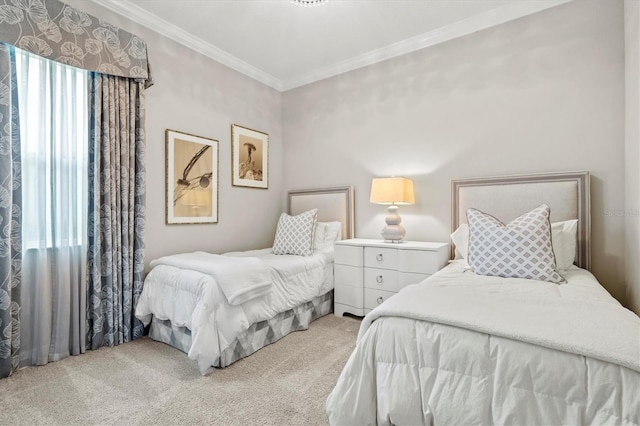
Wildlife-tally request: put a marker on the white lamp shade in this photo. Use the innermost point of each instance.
(392, 190)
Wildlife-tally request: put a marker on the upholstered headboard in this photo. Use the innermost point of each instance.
(566, 193)
(333, 204)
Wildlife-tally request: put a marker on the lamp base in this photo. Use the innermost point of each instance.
(393, 232)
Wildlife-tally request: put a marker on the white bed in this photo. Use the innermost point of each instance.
(460, 348)
(187, 307)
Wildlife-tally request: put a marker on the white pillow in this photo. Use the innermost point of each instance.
(327, 233)
(520, 249)
(294, 234)
(460, 239)
(563, 239)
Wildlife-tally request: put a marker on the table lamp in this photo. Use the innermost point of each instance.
(392, 191)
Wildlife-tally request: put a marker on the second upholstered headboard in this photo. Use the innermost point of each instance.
(507, 197)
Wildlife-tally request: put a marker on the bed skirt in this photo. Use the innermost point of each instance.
(257, 336)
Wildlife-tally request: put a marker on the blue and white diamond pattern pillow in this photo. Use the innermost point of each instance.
(294, 234)
(520, 249)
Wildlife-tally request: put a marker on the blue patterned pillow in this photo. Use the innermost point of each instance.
(294, 234)
(521, 249)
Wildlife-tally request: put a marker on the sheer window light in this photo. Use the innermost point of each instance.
(54, 137)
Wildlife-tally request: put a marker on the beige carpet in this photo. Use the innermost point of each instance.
(146, 382)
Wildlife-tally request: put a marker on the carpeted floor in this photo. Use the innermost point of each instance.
(146, 382)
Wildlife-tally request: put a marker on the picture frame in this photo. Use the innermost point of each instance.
(249, 157)
(191, 178)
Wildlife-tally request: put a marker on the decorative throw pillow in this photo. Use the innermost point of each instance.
(294, 234)
(563, 240)
(521, 249)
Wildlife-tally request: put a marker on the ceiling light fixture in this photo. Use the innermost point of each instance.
(308, 3)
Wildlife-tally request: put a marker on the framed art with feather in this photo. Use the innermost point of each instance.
(191, 178)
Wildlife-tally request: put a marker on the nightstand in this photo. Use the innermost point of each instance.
(367, 272)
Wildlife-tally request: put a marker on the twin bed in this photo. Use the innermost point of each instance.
(192, 306)
(461, 348)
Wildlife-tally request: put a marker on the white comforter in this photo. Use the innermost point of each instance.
(465, 349)
(240, 278)
(194, 300)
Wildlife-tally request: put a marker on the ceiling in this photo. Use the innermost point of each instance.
(285, 46)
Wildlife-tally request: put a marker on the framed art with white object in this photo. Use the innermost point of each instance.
(250, 157)
(191, 178)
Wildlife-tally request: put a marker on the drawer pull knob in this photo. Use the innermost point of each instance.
(379, 258)
(379, 279)
(380, 300)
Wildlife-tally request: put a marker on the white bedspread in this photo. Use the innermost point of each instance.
(194, 300)
(460, 348)
(240, 278)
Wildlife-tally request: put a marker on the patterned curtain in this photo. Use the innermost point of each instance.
(116, 209)
(61, 33)
(120, 73)
(10, 214)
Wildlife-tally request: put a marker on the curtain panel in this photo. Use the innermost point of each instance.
(10, 214)
(64, 34)
(119, 73)
(54, 136)
(116, 209)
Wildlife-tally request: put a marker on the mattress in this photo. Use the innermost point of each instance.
(187, 299)
(460, 348)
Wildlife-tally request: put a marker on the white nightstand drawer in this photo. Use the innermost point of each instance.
(348, 275)
(373, 298)
(419, 261)
(381, 279)
(385, 258)
(348, 295)
(369, 270)
(348, 255)
(406, 278)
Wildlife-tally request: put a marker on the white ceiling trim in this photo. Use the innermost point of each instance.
(175, 33)
(511, 11)
(467, 26)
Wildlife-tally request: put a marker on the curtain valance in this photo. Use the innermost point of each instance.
(62, 33)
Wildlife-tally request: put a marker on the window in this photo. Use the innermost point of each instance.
(53, 102)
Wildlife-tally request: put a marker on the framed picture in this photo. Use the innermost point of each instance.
(250, 157)
(191, 178)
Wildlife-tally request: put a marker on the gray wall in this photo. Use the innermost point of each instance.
(543, 93)
(197, 95)
(539, 94)
(632, 151)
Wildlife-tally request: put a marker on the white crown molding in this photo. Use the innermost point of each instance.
(511, 11)
(175, 33)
